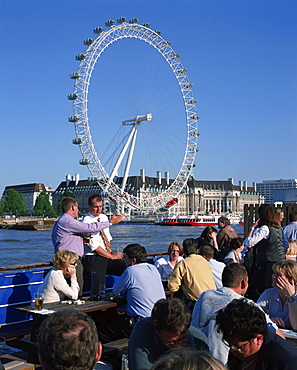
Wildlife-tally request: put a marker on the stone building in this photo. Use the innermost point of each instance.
(30, 193)
(198, 197)
(206, 197)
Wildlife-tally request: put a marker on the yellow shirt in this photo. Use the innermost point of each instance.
(193, 275)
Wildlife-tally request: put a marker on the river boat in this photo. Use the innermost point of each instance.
(37, 225)
(198, 220)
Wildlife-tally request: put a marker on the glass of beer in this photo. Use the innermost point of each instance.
(38, 301)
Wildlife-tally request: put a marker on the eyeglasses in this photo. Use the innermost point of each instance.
(237, 349)
(73, 263)
(173, 343)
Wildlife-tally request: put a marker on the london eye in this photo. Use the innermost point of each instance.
(134, 110)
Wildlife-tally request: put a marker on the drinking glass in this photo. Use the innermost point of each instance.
(38, 297)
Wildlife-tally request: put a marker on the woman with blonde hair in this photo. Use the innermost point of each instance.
(280, 302)
(55, 287)
(291, 252)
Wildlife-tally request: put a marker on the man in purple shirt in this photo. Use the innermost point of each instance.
(67, 232)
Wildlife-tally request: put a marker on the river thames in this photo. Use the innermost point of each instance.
(18, 246)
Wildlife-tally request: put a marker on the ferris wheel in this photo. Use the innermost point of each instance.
(143, 118)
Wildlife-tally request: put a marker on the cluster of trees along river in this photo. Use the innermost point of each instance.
(14, 205)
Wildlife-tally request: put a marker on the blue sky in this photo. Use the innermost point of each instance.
(241, 57)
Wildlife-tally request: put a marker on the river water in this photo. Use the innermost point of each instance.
(21, 247)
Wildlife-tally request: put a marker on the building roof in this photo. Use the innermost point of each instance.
(35, 187)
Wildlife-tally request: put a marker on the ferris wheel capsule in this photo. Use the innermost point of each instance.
(77, 141)
(109, 23)
(88, 41)
(80, 56)
(133, 20)
(121, 20)
(73, 118)
(72, 96)
(98, 30)
(74, 75)
(84, 162)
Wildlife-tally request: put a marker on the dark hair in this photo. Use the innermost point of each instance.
(92, 197)
(190, 246)
(67, 203)
(170, 314)
(181, 251)
(187, 359)
(206, 251)
(68, 340)
(242, 320)
(236, 243)
(293, 216)
(268, 216)
(233, 274)
(136, 251)
(225, 220)
(207, 231)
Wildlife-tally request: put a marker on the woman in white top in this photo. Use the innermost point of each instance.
(55, 287)
(235, 255)
(165, 265)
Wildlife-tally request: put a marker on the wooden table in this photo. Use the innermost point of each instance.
(90, 307)
(87, 307)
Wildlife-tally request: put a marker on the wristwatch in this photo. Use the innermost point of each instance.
(110, 224)
(291, 299)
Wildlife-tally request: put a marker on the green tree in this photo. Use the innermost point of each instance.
(2, 203)
(66, 194)
(14, 203)
(43, 206)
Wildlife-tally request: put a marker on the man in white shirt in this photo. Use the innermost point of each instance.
(217, 267)
(98, 256)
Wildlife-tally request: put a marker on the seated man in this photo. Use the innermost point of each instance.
(235, 284)
(217, 267)
(166, 329)
(141, 285)
(193, 274)
(68, 340)
(252, 346)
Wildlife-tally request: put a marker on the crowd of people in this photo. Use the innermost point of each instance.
(227, 311)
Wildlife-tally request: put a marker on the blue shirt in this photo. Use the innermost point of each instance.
(271, 303)
(142, 287)
(290, 231)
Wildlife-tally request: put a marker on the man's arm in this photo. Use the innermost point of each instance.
(104, 253)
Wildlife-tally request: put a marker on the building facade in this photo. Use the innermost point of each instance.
(198, 197)
(267, 188)
(30, 193)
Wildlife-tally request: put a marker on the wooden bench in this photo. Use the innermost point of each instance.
(115, 346)
(16, 361)
(13, 335)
